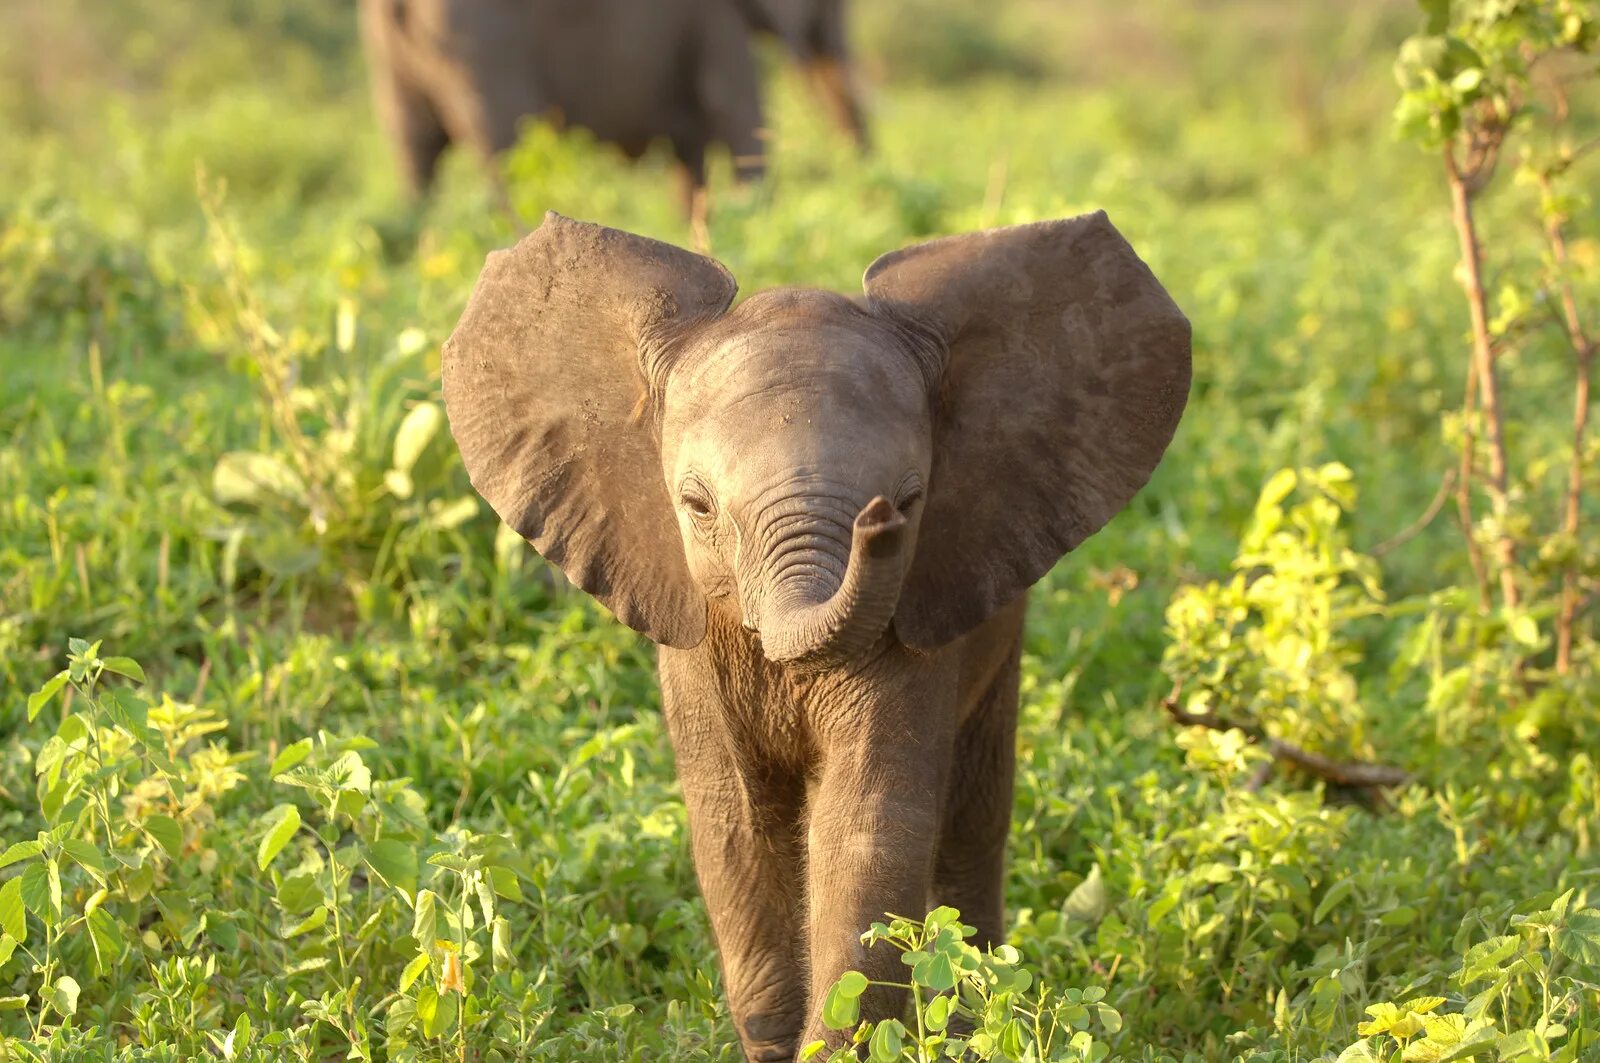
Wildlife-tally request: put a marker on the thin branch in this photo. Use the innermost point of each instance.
(1341, 773)
(1411, 531)
(1461, 195)
(1583, 348)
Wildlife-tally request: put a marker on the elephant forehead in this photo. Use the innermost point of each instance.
(798, 366)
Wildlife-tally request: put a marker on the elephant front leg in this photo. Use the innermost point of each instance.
(871, 835)
(748, 875)
(744, 834)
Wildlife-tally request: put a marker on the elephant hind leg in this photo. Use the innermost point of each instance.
(691, 178)
(413, 125)
(969, 869)
(830, 79)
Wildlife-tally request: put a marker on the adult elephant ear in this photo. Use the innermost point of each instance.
(1066, 373)
(544, 388)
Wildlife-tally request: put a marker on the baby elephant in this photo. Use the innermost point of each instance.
(827, 514)
(630, 71)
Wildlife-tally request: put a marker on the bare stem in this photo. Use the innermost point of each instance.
(1583, 347)
(1505, 550)
(1464, 474)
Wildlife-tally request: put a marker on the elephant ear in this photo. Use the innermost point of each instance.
(544, 390)
(1066, 373)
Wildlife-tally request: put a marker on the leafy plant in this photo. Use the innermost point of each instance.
(954, 987)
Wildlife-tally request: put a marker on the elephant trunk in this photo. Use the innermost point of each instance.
(814, 621)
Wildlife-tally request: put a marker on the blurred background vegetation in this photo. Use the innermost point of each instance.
(223, 456)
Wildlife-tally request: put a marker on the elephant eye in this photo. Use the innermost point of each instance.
(910, 493)
(697, 503)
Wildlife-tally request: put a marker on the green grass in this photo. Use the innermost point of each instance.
(197, 202)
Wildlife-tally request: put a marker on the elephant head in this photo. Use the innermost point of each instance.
(821, 471)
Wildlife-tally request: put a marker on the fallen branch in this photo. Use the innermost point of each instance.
(1341, 773)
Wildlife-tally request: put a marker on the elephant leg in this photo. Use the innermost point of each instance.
(744, 832)
(871, 832)
(830, 79)
(728, 89)
(691, 179)
(419, 137)
(969, 872)
(825, 57)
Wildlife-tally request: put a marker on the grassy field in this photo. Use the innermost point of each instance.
(223, 457)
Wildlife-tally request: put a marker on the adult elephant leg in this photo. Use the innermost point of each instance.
(418, 135)
(831, 80)
(728, 90)
(691, 178)
(969, 871)
(873, 823)
(744, 833)
(827, 64)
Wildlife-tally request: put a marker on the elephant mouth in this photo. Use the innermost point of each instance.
(817, 620)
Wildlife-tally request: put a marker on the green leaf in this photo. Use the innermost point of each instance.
(289, 756)
(418, 428)
(1088, 902)
(1484, 959)
(1579, 939)
(500, 945)
(64, 995)
(20, 851)
(13, 919)
(8, 945)
(937, 1014)
(124, 666)
(935, 972)
(428, 1011)
(36, 893)
(280, 824)
(841, 1009)
(1332, 899)
(167, 833)
(504, 881)
(248, 478)
(887, 1040)
(395, 862)
(485, 899)
(41, 697)
(852, 983)
(106, 937)
(1011, 1039)
(14, 1003)
(86, 854)
(413, 971)
(425, 921)
(315, 921)
(131, 713)
(812, 1050)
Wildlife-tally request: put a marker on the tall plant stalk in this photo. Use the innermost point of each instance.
(1583, 348)
(1483, 379)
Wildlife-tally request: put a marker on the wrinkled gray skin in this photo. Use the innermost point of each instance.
(827, 514)
(814, 32)
(630, 71)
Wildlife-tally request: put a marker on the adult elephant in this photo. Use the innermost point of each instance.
(814, 32)
(630, 71)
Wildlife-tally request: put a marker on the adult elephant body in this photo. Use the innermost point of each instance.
(827, 514)
(630, 71)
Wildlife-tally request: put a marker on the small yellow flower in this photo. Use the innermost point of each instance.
(451, 977)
